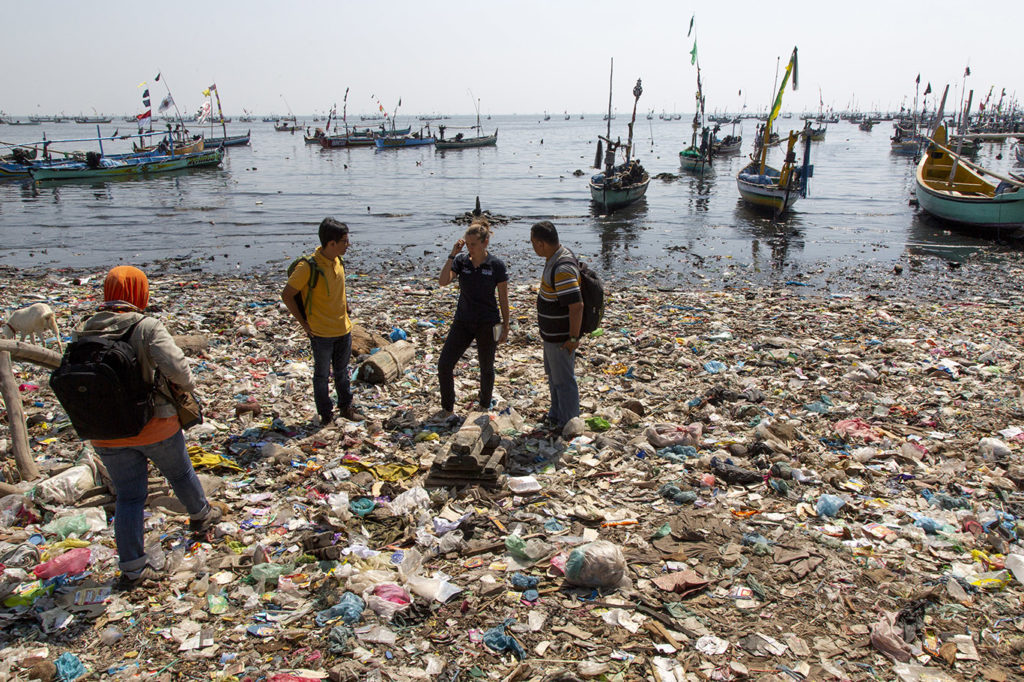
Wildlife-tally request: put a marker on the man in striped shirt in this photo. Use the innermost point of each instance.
(560, 316)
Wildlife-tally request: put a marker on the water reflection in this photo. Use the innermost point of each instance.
(619, 229)
(783, 237)
(700, 190)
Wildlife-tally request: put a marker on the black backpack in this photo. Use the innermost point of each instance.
(99, 383)
(592, 290)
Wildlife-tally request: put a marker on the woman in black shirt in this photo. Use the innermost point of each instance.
(477, 315)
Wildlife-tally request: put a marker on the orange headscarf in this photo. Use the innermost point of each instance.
(128, 284)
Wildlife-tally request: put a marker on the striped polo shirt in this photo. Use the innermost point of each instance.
(559, 287)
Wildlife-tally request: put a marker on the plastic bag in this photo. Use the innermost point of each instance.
(597, 564)
(411, 500)
(66, 487)
(665, 435)
(531, 550)
(829, 505)
(349, 608)
(387, 599)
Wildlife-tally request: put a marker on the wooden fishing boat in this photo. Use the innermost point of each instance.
(315, 138)
(287, 127)
(730, 144)
(956, 190)
(100, 167)
(866, 125)
(402, 141)
(622, 184)
(227, 141)
(352, 140)
(92, 119)
(697, 157)
(765, 187)
(460, 142)
(177, 145)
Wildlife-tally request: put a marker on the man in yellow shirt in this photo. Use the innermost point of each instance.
(323, 314)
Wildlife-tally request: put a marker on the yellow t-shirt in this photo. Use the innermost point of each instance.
(328, 308)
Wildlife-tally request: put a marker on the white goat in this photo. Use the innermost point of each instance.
(34, 320)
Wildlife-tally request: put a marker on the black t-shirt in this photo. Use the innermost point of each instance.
(477, 302)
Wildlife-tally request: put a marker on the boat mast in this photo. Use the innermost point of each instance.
(611, 72)
(344, 112)
(638, 90)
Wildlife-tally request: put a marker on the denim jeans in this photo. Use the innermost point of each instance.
(460, 336)
(331, 353)
(560, 368)
(129, 470)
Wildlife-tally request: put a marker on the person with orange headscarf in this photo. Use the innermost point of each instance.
(161, 441)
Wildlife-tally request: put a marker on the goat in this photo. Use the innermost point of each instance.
(32, 321)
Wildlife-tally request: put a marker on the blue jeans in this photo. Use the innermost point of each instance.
(331, 352)
(560, 368)
(129, 470)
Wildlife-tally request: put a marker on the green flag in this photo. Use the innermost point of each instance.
(791, 70)
(693, 53)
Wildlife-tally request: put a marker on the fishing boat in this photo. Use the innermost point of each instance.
(697, 157)
(956, 190)
(777, 189)
(730, 144)
(419, 139)
(618, 185)
(462, 142)
(227, 141)
(866, 125)
(97, 166)
(175, 143)
(287, 126)
(92, 119)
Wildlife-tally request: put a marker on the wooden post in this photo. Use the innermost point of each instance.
(16, 420)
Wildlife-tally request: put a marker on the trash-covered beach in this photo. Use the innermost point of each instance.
(766, 483)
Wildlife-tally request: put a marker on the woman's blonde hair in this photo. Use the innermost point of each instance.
(479, 228)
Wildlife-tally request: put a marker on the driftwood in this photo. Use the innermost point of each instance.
(16, 420)
(388, 363)
(364, 341)
(24, 352)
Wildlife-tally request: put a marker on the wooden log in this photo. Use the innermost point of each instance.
(29, 352)
(27, 468)
(388, 363)
(474, 433)
(364, 341)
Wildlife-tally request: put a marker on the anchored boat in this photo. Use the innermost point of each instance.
(619, 185)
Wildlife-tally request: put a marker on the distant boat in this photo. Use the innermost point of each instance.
(547, 116)
(462, 142)
(26, 123)
(100, 167)
(226, 141)
(284, 126)
(623, 184)
(952, 188)
(401, 141)
(866, 125)
(777, 189)
(92, 119)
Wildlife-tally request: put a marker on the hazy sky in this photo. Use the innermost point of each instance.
(516, 57)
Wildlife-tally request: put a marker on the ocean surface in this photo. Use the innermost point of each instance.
(261, 208)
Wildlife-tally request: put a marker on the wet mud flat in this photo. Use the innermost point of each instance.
(773, 482)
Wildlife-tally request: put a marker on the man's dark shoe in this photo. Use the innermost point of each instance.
(129, 581)
(352, 414)
(206, 523)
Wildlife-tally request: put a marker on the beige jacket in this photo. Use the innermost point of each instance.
(153, 345)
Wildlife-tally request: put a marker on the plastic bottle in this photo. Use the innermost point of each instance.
(71, 562)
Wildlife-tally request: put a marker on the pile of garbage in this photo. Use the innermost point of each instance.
(762, 485)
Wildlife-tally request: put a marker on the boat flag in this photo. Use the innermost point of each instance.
(967, 72)
(207, 91)
(693, 53)
(143, 116)
(166, 103)
(145, 98)
(157, 76)
(928, 88)
(691, 25)
(791, 69)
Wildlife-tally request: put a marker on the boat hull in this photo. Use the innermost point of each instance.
(952, 191)
(401, 142)
(229, 141)
(765, 192)
(691, 160)
(611, 198)
(130, 167)
(466, 142)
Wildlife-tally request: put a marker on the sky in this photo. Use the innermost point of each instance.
(515, 57)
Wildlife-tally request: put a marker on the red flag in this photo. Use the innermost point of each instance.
(143, 117)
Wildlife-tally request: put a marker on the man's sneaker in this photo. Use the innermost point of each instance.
(352, 414)
(207, 522)
(129, 581)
